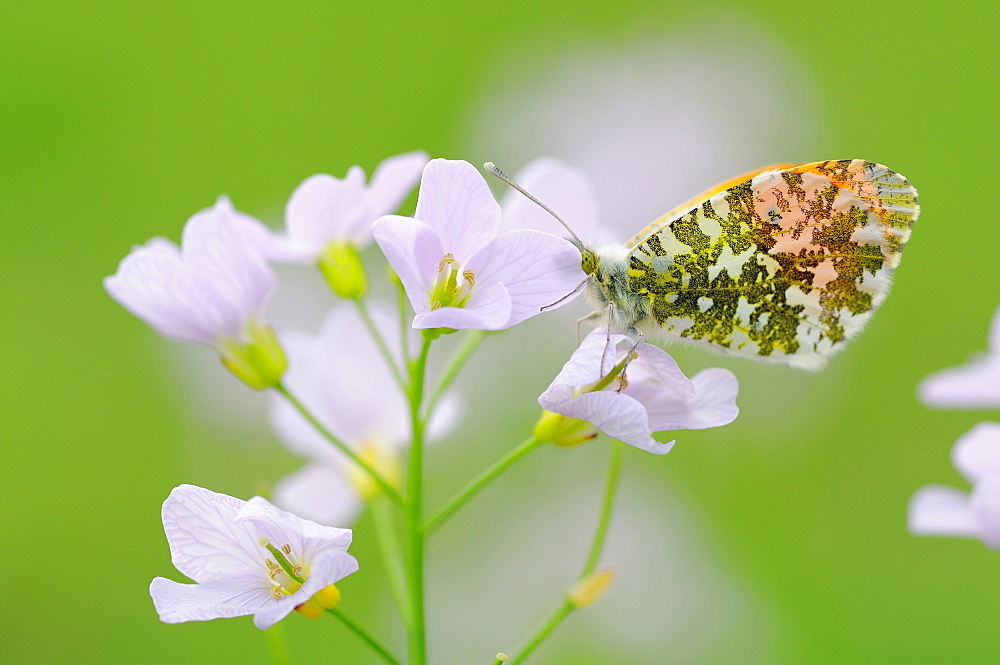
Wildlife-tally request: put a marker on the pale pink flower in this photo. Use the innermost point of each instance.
(975, 385)
(246, 557)
(325, 210)
(342, 378)
(936, 510)
(655, 395)
(457, 271)
(211, 290)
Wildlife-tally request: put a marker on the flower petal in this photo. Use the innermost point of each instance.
(205, 543)
(538, 270)
(618, 415)
(976, 454)
(307, 538)
(455, 200)
(714, 403)
(936, 510)
(393, 180)
(324, 208)
(234, 596)
(318, 492)
(564, 189)
(328, 568)
(414, 251)
(985, 502)
(488, 309)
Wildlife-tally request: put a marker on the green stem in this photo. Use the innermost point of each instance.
(404, 315)
(383, 348)
(413, 512)
(375, 475)
(276, 646)
(566, 606)
(470, 343)
(389, 547)
(480, 482)
(365, 637)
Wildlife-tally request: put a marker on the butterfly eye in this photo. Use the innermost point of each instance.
(588, 261)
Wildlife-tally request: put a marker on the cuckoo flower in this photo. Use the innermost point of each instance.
(457, 271)
(936, 510)
(328, 219)
(653, 396)
(975, 385)
(342, 378)
(211, 290)
(247, 557)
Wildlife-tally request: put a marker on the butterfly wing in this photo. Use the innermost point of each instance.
(786, 265)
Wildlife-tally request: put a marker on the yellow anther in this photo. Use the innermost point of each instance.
(470, 277)
(448, 258)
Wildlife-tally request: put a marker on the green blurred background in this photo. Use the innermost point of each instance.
(119, 120)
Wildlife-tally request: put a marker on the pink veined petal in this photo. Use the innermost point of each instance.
(307, 538)
(414, 251)
(584, 366)
(324, 208)
(985, 501)
(936, 510)
(655, 364)
(230, 273)
(714, 403)
(154, 284)
(976, 454)
(538, 270)
(234, 596)
(455, 200)
(393, 180)
(617, 415)
(327, 569)
(488, 309)
(318, 492)
(273, 246)
(567, 191)
(206, 543)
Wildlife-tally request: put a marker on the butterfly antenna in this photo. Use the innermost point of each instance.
(492, 168)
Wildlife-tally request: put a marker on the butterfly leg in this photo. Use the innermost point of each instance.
(590, 318)
(622, 381)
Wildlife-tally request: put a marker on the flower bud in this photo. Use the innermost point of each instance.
(591, 588)
(343, 269)
(325, 599)
(260, 363)
(563, 430)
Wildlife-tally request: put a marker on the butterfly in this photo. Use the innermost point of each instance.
(784, 264)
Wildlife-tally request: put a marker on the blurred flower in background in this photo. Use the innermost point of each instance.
(975, 385)
(342, 378)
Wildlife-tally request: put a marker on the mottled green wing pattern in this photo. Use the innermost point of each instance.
(784, 266)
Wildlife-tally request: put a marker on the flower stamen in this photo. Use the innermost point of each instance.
(453, 286)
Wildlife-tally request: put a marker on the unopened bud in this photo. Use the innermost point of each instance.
(563, 430)
(324, 599)
(343, 269)
(591, 588)
(259, 363)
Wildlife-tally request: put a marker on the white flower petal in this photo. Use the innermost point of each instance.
(566, 190)
(327, 569)
(324, 208)
(233, 596)
(985, 501)
(318, 492)
(976, 454)
(936, 510)
(714, 403)
(393, 180)
(537, 269)
(307, 538)
(619, 416)
(414, 251)
(455, 200)
(205, 542)
(488, 309)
